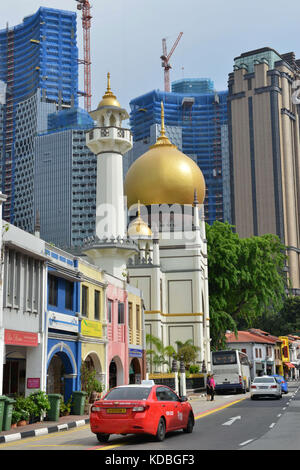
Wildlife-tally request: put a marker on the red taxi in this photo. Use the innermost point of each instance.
(141, 409)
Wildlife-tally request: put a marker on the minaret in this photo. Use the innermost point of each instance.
(110, 248)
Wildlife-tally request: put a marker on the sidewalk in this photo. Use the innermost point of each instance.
(44, 427)
(198, 401)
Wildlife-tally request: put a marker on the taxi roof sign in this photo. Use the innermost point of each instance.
(150, 383)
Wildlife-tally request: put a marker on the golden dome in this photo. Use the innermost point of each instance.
(138, 228)
(164, 175)
(109, 98)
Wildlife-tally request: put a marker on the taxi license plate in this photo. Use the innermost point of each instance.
(116, 410)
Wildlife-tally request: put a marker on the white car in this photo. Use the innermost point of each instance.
(265, 386)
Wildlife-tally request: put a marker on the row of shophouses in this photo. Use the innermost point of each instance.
(268, 354)
(59, 311)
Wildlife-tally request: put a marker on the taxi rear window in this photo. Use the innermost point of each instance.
(128, 393)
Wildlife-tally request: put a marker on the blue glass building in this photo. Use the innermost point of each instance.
(197, 124)
(38, 62)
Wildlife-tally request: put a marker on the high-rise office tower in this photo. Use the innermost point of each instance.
(65, 179)
(38, 63)
(196, 121)
(264, 149)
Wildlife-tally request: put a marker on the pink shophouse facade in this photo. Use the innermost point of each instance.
(117, 332)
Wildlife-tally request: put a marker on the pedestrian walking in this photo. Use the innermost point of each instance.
(210, 387)
(212, 384)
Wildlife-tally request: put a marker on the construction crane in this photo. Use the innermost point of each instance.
(85, 7)
(165, 60)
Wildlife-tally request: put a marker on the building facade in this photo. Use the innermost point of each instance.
(196, 121)
(63, 323)
(24, 336)
(93, 331)
(260, 351)
(165, 191)
(264, 150)
(65, 179)
(38, 63)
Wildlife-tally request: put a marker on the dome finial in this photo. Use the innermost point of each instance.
(163, 131)
(108, 82)
(109, 99)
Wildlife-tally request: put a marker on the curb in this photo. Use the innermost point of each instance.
(43, 431)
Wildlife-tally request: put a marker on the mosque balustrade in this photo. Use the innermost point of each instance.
(125, 242)
(140, 261)
(101, 139)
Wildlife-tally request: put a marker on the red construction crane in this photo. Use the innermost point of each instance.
(165, 60)
(85, 7)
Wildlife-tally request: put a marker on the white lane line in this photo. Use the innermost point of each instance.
(246, 442)
(278, 416)
(284, 408)
(272, 425)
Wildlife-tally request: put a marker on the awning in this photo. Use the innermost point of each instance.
(289, 365)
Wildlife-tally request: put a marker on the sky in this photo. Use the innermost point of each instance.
(126, 38)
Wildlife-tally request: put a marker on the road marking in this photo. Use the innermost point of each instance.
(206, 413)
(272, 425)
(110, 447)
(278, 416)
(231, 421)
(246, 442)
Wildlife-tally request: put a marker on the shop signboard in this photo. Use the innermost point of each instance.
(20, 338)
(61, 321)
(33, 382)
(91, 328)
(135, 352)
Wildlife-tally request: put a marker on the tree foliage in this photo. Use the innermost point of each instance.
(246, 278)
(284, 322)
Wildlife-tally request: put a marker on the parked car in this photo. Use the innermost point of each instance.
(282, 382)
(265, 386)
(141, 409)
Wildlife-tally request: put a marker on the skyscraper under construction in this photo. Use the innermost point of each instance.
(196, 121)
(39, 65)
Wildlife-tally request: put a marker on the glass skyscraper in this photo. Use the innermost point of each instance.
(39, 65)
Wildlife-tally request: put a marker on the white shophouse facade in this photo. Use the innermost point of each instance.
(260, 351)
(23, 317)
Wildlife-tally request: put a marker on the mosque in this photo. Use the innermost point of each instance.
(150, 230)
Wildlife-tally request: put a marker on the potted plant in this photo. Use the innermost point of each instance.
(65, 408)
(15, 418)
(90, 384)
(21, 409)
(38, 404)
(24, 418)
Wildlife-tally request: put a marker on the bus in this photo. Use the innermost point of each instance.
(231, 371)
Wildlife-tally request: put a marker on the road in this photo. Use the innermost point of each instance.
(247, 424)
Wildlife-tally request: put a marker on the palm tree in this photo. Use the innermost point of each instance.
(158, 355)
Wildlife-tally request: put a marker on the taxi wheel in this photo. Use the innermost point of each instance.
(190, 425)
(161, 430)
(102, 437)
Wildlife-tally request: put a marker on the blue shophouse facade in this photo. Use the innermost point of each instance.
(62, 317)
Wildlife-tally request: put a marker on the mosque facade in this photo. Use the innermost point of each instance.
(157, 243)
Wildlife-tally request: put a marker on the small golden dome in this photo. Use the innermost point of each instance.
(109, 98)
(138, 228)
(164, 175)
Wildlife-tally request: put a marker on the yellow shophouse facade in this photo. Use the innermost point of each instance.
(93, 319)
